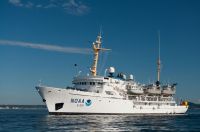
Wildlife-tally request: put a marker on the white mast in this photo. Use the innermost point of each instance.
(158, 62)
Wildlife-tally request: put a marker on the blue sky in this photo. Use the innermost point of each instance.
(129, 29)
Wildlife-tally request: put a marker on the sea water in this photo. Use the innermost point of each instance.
(38, 119)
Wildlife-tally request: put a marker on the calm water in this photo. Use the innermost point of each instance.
(39, 120)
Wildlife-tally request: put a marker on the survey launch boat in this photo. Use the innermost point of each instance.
(111, 93)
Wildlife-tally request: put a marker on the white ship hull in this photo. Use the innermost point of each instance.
(75, 102)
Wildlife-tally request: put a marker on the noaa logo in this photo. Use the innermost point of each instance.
(88, 102)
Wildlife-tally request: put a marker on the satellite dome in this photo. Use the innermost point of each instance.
(111, 70)
(131, 77)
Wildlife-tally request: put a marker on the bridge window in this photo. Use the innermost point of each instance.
(100, 83)
(92, 83)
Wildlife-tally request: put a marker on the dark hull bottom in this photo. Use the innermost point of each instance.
(136, 114)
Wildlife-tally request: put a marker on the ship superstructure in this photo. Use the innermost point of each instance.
(114, 93)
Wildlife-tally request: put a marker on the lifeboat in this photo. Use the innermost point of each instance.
(137, 91)
(168, 90)
(134, 89)
(152, 89)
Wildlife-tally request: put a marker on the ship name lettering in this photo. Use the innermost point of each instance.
(77, 100)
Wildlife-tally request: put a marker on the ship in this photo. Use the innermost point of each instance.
(111, 93)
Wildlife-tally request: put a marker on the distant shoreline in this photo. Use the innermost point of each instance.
(18, 105)
(22, 106)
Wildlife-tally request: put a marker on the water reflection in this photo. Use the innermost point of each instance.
(108, 122)
(39, 120)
